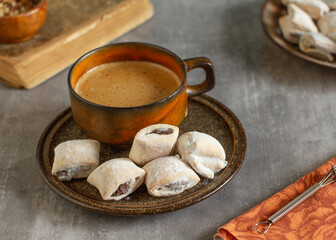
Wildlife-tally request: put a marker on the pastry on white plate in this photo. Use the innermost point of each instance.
(327, 25)
(331, 3)
(117, 178)
(152, 142)
(317, 45)
(202, 152)
(289, 33)
(314, 8)
(75, 159)
(168, 176)
(296, 23)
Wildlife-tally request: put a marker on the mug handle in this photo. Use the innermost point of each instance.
(208, 83)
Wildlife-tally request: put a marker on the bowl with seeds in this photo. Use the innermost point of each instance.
(21, 19)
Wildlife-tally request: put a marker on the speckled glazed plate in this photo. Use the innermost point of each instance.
(204, 114)
(270, 14)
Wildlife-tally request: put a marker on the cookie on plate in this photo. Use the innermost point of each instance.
(168, 176)
(152, 142)
(117, 178)
(202, 152)
(75, 159)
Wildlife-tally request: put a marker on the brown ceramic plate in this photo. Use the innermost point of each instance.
(271, 11)
(204, 114)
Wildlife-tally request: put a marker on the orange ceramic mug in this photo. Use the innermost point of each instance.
(118, 125)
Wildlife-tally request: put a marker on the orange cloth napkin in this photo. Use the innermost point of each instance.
(314, 219)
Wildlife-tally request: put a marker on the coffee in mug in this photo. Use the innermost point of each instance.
(117, 124)
(127, 84)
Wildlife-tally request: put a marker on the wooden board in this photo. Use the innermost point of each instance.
(72, 28)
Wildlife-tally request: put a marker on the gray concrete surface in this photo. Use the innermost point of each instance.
(286, 105)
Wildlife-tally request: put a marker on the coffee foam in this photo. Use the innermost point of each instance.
(127, 84)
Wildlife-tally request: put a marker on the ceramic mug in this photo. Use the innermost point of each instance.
(118, 125)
